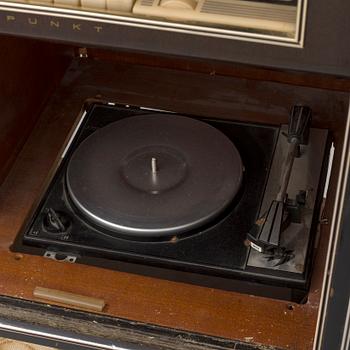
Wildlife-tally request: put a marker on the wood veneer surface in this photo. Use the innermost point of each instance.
(224, 69)
(30, 71)
(171, 304)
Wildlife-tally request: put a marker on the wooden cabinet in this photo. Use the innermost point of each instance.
(43, 88)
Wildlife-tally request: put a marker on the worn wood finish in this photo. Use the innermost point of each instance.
(128, 335)
(210, 95)
(171, 304)
(30, 70)
(238, 70)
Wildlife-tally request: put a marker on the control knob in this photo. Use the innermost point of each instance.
(56, 222)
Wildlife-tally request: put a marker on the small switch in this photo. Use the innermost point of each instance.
(179, 4)
(120, 5)
(94, 4)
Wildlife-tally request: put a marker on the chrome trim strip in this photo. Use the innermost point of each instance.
(334, 234)
(346, 334)
(51, 334)
(301, 25)
(73, 135)
(154, 24)
(155, 110)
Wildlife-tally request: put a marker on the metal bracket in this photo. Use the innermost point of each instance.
(59, 256)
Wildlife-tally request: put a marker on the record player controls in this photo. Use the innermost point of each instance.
(56, 222)
(179, 4)
(265, 235)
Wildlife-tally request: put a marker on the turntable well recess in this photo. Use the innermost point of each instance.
(38, 139)
(121, 166)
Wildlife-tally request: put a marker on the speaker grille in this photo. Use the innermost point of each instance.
(229, 8)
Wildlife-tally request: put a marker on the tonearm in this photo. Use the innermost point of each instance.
(266, 233)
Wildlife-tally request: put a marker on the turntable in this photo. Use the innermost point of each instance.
(217, 203)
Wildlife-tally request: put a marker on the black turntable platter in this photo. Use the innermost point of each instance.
(152, 175)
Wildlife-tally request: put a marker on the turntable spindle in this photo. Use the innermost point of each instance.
(154, 165)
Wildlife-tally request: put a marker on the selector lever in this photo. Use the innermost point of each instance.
(265, 234)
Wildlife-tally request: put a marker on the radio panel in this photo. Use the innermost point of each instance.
(244, 14)
(275, 21)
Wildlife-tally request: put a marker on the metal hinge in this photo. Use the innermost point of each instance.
(83, 52)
